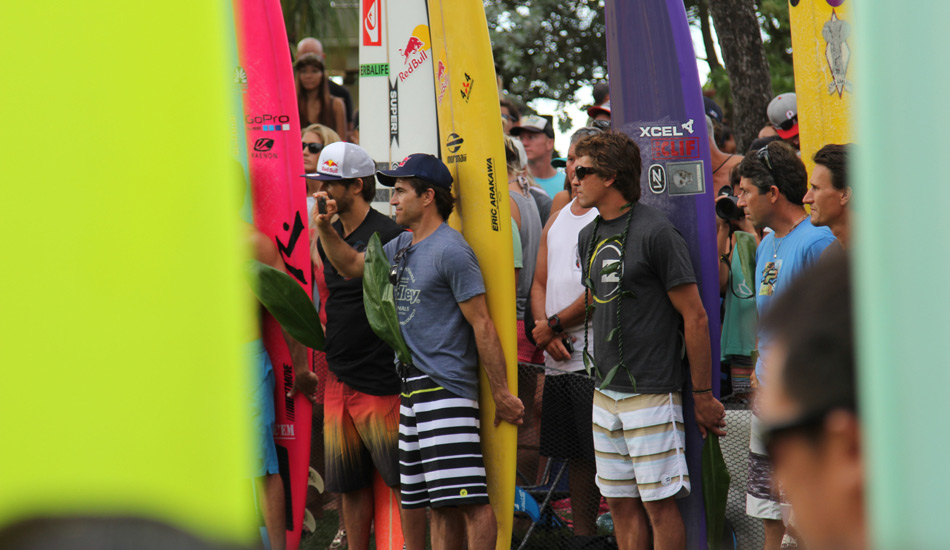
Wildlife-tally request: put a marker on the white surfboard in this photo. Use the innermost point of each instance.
(397, 90)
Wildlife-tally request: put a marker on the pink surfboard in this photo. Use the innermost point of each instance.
(275, 162)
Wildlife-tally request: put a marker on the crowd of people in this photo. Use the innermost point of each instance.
(611, 331)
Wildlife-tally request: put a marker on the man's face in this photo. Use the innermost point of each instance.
(409, 205)
(827, 203)
(758, 208)
(601, 115)
(342, 194)
(591, 189)
(813, 466)
(537, 145)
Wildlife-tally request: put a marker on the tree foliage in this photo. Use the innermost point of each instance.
(547, 48)
(326, 20)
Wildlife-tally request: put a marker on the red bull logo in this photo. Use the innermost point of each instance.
(330, 167)
(416, 51)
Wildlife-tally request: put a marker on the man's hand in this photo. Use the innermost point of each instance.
(305, 383)
(710, 414)
(542, 333)
(508, 408)
(322, 221)
(557, 350)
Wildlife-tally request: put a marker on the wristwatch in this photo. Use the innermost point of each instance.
(554, 323)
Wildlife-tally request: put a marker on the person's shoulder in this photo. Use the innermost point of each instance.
(650, 218)
(814, 234)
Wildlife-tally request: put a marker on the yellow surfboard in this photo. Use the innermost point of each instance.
(472, 145)
(821, 42)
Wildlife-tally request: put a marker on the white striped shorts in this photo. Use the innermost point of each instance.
(639, 445)
(440, 452)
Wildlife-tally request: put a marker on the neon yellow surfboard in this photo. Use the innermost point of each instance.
(821, 44)
(472, 146)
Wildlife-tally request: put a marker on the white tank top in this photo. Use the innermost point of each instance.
(564, 283)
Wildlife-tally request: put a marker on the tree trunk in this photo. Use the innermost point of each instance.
(704, 25)
(742, 49)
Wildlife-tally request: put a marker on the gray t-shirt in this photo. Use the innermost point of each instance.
(656, 260)
(435, 275)
(530, 233)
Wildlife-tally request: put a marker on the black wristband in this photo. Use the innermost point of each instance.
(554, 323)
(697, 392)
(724, 259)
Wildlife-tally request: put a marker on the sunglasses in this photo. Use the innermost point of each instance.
(313, 147)
(809, 423)
(788, 124)
(582, 172)
(395, 272)
(763, 156)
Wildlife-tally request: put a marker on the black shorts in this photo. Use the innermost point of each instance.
(566, 406)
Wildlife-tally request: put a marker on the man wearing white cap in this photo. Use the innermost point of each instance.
(537, 136)
(361, 404)
(783, 115)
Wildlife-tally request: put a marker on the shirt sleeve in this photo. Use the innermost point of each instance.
(516, 245)
(459, 266)
(670, 258)
(813, 252)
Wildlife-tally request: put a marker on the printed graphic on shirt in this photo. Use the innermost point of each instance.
(406, 296)
(606, 270)
(770, 277)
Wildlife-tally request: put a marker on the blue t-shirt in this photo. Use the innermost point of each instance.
(778, 262)
(553, 184)
(434, 275)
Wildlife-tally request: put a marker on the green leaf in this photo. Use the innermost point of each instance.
(610, 376)
(633, 381)
(613, 334)
(588, 283)
(287, 302)
(628, 294)
(591, 308)
(588, 363)
(716, 481)
(378, 300)
(611, 268)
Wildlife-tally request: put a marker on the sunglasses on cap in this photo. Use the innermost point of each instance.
(582, 172)
(313, 147)
(788, 124)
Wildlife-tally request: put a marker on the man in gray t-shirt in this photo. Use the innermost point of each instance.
(443, 317)
(647, 311)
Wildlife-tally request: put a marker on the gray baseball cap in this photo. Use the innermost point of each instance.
(783, 114)
(343, 161)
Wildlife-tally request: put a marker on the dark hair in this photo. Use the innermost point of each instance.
(614, 154)
(323, 94)
(734, 176)
(369, 186)
(444, 201)
(512, 110)
(835, 159)
(601, 91)
(759, 143)
(787, 172)
(813, 318)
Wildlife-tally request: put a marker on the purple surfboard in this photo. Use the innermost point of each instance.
(656, 99)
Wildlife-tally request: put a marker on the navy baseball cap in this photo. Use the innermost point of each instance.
(418, 165)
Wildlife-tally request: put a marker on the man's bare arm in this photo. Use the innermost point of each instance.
(344, 258)
(710, 414)
(305, 381)
(507, 407)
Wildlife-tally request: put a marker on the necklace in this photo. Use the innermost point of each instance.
(781, 240)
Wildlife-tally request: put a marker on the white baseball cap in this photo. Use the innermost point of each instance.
(343, 161)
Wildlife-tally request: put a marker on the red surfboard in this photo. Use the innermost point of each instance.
(275, 162)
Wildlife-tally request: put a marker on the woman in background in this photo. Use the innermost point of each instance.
(315, 105)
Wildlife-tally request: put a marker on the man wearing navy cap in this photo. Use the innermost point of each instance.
(440, 302)
(361, 402)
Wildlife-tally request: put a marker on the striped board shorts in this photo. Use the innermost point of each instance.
(639, 445)
(761, 499)
(440, 452)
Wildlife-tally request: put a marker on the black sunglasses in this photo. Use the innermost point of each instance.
(788, 124)
(763, 156)
(582, 172)
(313, 147)
(395, 272)
(806, 423)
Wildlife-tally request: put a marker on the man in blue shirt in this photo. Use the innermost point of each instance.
(772, 184)
(537, 136)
